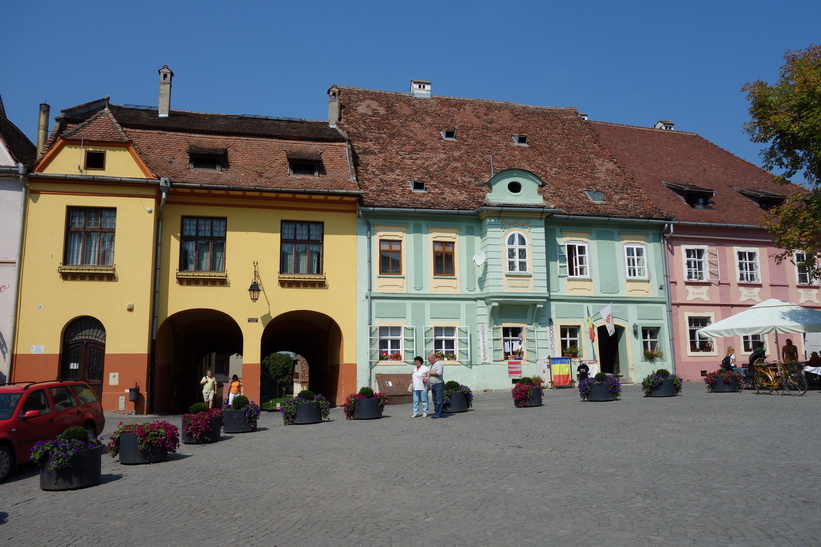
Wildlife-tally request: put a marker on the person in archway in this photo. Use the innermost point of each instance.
(789, 353)
(235, 389)
(420, 390)
(209, 388)
(436, 381)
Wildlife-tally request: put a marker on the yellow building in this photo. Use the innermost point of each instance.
(145, 229)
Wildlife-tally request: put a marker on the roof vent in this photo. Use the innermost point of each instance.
(420, 88)
(520, 140)
(418, 186)
(667, 125)
(595, 196)
(583, 115)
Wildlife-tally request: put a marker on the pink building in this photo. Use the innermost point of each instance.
(719, 262)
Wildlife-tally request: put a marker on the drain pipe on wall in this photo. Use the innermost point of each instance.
(165, 185)
(368, 297)
(669, 299)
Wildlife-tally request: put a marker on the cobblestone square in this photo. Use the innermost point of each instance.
(697, 469)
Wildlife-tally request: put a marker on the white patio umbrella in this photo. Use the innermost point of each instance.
(767, 317)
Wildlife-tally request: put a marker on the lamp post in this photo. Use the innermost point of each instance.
(254, 290)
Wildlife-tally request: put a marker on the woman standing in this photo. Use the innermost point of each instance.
(236, 389)
(420, 391)
(728, 363)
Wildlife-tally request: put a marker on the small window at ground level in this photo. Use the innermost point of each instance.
(95, 159)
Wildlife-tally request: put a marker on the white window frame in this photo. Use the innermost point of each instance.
(578, 264)
(637, 263)
(749, 341)
(747, 267)
(570, 335)
(692, 332)
(519, 248)
(514, 343)
(407, 343)
(699, 264)
(802, 275)
(650, 338)
(435, 341)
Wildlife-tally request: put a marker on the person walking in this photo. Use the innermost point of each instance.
(209, 388)
(234, 389)
(436, 382)
(420, 390)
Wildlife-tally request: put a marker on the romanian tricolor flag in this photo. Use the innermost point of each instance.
(591, 332)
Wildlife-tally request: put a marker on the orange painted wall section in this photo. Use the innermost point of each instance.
(132, 370)
(347, 382)
(251, 381)
(29, 367)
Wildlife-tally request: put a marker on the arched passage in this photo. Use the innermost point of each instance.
(189, 343)
(317, 338)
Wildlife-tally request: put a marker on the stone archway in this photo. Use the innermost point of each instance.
(83, 353)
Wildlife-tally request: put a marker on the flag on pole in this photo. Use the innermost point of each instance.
(607, 314)
(590, 331)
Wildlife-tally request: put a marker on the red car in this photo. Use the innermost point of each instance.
(39, 411)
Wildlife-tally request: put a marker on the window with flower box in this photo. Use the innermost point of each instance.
(699, 343)
(451, 343)
(569, 341)
(392, 343)
(650, 338)
(749, 342)
(513, 343)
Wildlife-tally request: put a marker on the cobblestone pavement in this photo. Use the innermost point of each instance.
(698, 469)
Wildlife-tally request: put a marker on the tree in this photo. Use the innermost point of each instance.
(787, 118)
(281, 368)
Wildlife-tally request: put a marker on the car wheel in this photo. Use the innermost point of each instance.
(6, 461)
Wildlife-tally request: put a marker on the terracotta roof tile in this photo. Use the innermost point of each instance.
(100, 127)
(396, 139)
(656, 156)
(18, 145)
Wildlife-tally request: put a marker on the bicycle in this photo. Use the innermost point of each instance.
(784, 377)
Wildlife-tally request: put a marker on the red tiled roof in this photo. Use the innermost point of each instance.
(396, 139)
(18, 145)
(100, 127)
(656, 156)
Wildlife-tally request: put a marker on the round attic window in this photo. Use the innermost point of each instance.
(514, 187)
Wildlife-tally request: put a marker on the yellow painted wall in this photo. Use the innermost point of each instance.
(70, 160)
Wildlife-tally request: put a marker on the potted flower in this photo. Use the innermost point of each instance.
(241, 416)
(661, 383)
(652, 354)
(201, 424)
(72, 460)
(458, 397)
(305, 408)
(445, 356)
(387, 356)
(570, 351)
(148, 442)
(723, 381)
(600, 388)
(527, 392)
(365, 405)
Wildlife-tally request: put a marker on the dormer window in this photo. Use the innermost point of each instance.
(308, 164)
(595, 196)
(95, 160)
(765, 200)
(207, 159)
(448, 134)
(418, 186)
(520, 140)
(696, 197)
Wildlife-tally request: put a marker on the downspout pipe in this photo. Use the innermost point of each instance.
(165, 185)
(369, 294)
(665, 234)
(21, 172)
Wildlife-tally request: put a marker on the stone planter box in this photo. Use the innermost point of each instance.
(459, 403)
(600, 393)
(367, 409)
(216, 425)
(130, 451)
(725, 387)
(85, 472)
(666, 389)
(308, 413)
(233, 421)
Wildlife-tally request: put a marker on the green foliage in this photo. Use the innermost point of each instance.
(75, 433)
(525, 380)
(366, 391)
(197, 407)
(663, 372)
(281, 368)
(787, 118)
(452, 384)
(239, 402)
(600, 377)
(306, 394)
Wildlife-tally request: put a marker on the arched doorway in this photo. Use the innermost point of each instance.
(188, 344)
(609, 353)
(83, 353)
(315, 337)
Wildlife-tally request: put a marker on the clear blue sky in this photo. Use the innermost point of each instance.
(630, 62)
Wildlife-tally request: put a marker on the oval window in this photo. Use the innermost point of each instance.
(514, 187)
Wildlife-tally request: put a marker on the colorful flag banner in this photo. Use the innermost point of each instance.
(607, 314)
(591, 332)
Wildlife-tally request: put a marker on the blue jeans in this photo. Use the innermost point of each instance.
(420, 395)
(438, 393)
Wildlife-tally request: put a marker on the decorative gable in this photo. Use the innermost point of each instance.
(515, 187)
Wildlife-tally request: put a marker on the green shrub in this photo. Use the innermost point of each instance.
(306, 394)
(601, 377)
(196, 408)
(366, 391)
(239, 402)
(525, 380)
(663, 372)
(452, 384)
(75, 433)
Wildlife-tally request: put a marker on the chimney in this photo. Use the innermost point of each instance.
(42, 128)
(165, 91)
(667, 125)
(333, 106)
(420, 88)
